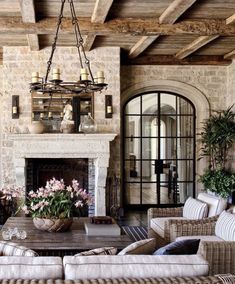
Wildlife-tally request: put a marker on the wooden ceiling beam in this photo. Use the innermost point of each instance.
(172, 60)
(88, 42)
(141, 45)
(195, 45)
(101, 10)
(201, 41)
(29, 16)
(169, 16)
(230, 55)
(120, 26)
(175, 10)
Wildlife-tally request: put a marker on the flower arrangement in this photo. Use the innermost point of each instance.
(56, 200)
(9, 192)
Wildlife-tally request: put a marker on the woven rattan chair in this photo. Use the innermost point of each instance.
(169, 218)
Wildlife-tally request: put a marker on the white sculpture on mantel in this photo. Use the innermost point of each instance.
(67, 124)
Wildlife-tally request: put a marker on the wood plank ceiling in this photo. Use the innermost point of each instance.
(148, 32)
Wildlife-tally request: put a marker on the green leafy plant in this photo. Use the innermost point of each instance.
(217, 138)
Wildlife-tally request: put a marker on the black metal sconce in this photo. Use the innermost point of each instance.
(15, 107)
(108, 106)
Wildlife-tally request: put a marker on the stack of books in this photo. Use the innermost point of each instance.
(101, 220)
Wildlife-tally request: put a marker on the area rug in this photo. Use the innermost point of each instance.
(136, 233)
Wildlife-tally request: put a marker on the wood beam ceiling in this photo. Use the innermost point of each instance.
(120, 26)
(99, 15)
(201, 41)
(172, 60)
(29, 16)
(169, 16)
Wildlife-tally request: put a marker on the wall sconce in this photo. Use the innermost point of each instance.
(15, 107)
(108, 106)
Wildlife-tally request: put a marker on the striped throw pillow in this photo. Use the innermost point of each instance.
(195, 209)
(146, 246)
(225, 226)
(99, 251)
(13, 249)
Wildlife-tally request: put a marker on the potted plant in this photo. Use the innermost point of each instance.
(217, 138)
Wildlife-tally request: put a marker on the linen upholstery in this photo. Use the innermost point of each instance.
(139, 266)
(195, 209)
(204, 238)
(21, 267)
(159, 224)
(10, 249)
(146, 246)
(167, 280)
(99, 251)
(216, 204)
(225, 226)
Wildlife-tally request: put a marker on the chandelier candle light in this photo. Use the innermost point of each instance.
(86, 82)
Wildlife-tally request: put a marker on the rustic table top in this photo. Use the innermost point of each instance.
(74, 240)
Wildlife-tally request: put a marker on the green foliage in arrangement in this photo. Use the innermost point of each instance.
(217, 138)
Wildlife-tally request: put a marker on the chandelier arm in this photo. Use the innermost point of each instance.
(60, 17)
(80, 40)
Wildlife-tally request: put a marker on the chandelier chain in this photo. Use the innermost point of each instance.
(60, 17)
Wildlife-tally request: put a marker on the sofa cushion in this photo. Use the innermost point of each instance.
(180, 247)
(28, 267)
(216, 204)
(137, 266)
(146, 246)
(225, 226)
(158, 224)
(99, 251)
(195, 209)
(10, 249)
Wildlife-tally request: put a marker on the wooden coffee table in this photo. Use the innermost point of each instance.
(63, 243)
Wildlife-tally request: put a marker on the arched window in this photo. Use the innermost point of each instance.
(158, 149)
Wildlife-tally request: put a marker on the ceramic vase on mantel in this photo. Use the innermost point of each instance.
(36, 127)
(53, 225)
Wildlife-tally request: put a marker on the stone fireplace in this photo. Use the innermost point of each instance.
(94, 147)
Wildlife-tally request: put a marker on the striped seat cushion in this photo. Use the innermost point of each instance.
(99, 251)
(13, 249)
(195, 209)
(225, 226)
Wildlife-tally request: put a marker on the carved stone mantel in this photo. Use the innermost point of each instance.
(92, 146)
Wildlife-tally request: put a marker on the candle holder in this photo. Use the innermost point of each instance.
(108, 106)
(15, 107)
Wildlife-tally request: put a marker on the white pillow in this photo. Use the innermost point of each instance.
(13, 249)
(146, 246)
(99, 251)
(225, 226)
(195, 209)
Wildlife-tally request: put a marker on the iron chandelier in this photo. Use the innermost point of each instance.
(86, 81)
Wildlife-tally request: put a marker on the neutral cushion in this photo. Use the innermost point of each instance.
(158, 224)
(10, 249)
(179, 247)
(225, 226)
(146, 246)
(99, 251)
(195, 209)
(202, 238)
(216, 204)
(138, 266)
(28, 267)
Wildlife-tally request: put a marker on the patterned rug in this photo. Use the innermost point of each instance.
(136, 233)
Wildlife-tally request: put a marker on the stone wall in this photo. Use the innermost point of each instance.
(15, 75)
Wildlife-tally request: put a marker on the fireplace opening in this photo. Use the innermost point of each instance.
(40, 170)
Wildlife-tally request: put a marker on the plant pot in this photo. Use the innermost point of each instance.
(53, 225)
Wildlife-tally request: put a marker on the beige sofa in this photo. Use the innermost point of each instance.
(129, 269)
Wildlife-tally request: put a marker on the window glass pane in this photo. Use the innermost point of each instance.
(184, 107)
(185, 126)
(185, 170)
(132, 170)
(185, 148)
(149, 193)
(132, 148)
(133, 193)
(168, 104)
(149, 103)
(132, 126)
(133, 106)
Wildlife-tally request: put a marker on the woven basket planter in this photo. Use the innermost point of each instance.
(53, 225)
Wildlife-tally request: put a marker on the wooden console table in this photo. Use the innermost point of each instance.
(63, 243)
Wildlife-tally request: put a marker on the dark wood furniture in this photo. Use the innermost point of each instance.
(67, 243)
